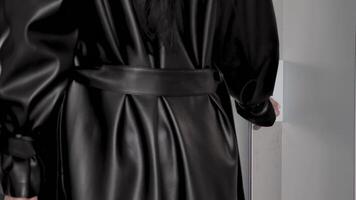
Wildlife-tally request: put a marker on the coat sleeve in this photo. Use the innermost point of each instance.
(37, 41)
(248, 57)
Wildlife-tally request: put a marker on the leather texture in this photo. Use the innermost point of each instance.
(91, 143)
(149, 81)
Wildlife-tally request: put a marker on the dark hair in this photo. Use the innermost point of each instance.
(162, 19)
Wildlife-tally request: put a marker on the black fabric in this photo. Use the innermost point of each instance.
(20, 167)
(105, 144)
(21, 176)
(146, 81)
(19, 147)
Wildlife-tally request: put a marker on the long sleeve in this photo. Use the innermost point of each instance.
(37, 41)
(248, 56)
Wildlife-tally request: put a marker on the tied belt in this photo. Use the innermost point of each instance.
(150, 81)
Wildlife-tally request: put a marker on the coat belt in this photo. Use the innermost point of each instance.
(150, 81)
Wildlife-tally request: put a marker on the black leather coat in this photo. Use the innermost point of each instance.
(64, 140)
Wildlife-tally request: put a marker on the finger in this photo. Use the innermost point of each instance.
(274, 102)
(278, 112)
(272, 99)
(256, 127)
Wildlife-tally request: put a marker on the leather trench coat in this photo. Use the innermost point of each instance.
(64, 140)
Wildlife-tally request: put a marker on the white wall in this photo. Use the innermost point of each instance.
(267, 163)
(319, 95)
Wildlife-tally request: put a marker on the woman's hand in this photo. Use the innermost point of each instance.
(276, 107)
(13, 198)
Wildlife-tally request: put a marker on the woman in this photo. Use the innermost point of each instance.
(130, 99)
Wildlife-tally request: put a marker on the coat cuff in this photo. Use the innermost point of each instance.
(21, 168)
(262, 114)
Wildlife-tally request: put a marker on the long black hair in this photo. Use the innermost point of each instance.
(161, 19)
